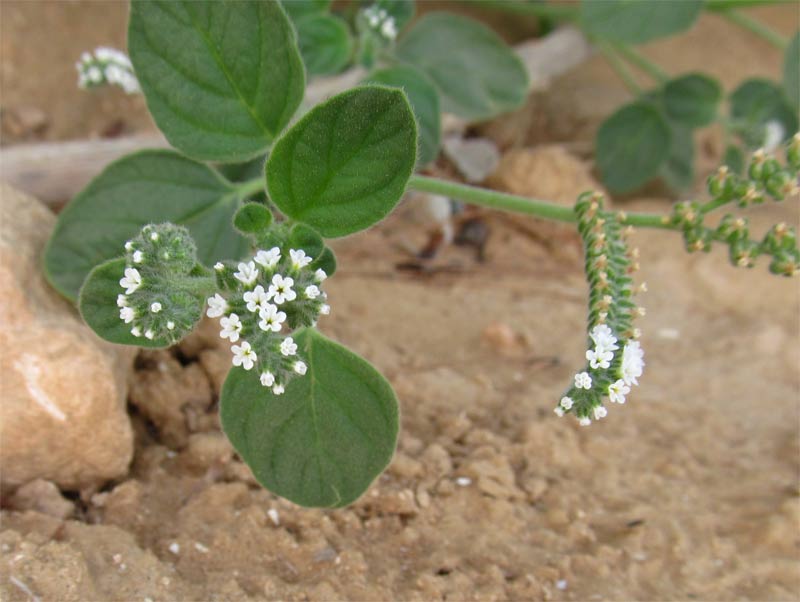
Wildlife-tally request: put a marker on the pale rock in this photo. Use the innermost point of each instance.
(62, 389)
(41, 496)
(548, 172)
(475, 158)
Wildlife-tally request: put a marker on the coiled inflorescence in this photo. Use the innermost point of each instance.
(107, 66)
(160, 299)
(615, 359)
(765, 178)
(275, 292)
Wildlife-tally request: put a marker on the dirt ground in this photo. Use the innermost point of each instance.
(689, 491)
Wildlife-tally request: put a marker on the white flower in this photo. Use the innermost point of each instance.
(617, 391)
(267, 378)
(136, 331)
(278, 389)
(154, 236)
(170, 325)
(583, 380)
(231, 327)
(138, 256)
(126, 314)
(244, 355)
(155, 307)
(320, 275)
(299, 258)
(131, 281)
(312, 292)
(632, 362)
(281, 289)
(219, 266)
(256, 299)
(149, 334)
(269, 259)
(566, 403)
(122, 300)
(604, 338)
(558, 411)
(288, 346)
(600, 412)
(271, 318)
(773, 135)
(217, 306)
(389, 29)
(325, 309)
(585, 421)
(300, 367)
(599, 358)
(247, 273)
(129, 245)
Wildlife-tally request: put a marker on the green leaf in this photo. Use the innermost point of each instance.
(757, 102)
(344, 166)
(734, 159)
(303, 237)
(326, 261)
(637, 21)
(631, 146)
(791, 71)
(297, 9)
(678, 170)
(221, 79)
(142, 188)
(476, 74)
(325, 43)
(252, 218)
(692, 99)
(402, 11)
(323, 441)
(98, 306)
(424, 101)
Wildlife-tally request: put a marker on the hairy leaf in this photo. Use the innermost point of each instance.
(791, 71)
(345, 164)
(758, 102)
(326, 438)
(637, 21)
(692, 99)
(145, 187)
(678, 170)
(631, 146)
(424, 101)
(325, 43)
(222, 79)
(476, 74)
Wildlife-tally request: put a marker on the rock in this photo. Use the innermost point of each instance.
(62, 389)
(42, 496)
(475, 158)
(548, 172)
(503, 339)
(23, 121)
(205, 450)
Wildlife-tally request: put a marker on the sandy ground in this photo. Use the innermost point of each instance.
(689, 491)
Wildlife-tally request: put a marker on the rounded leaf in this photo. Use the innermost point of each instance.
(252, 218)
(323, 441)
(791, 71)
(344, 166)
(631, 146)
(477, 75)
(692, 99)
(424, 101)
(637, 21)
(221, 79)
(678, 170)
(147, 187)
(325, 43)
(757, 102)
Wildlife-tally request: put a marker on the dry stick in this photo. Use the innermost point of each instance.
(54, 172)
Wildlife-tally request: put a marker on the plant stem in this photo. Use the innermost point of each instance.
(619, 66)
(519, 204)
(250, 187)
(756, 27)
(645, 64)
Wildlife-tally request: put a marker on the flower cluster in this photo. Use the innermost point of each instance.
(107, 66)
(263, 298)
(381, 21)
(765, 178)
(615, 358)
(159, 300)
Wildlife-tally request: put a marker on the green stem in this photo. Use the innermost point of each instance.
(519, 204)
(756, 27)
(645, 64)
(250, 187)
(619, 66)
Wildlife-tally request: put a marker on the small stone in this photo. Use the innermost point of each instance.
(207, 449)
(62, 393)
(24, 121)
(503, 338)
(475, 158)
(42, 496)
(175, 548)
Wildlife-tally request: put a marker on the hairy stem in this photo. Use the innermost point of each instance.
(756, 27)
(619, 66)
(250, 187)
(645, 64)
